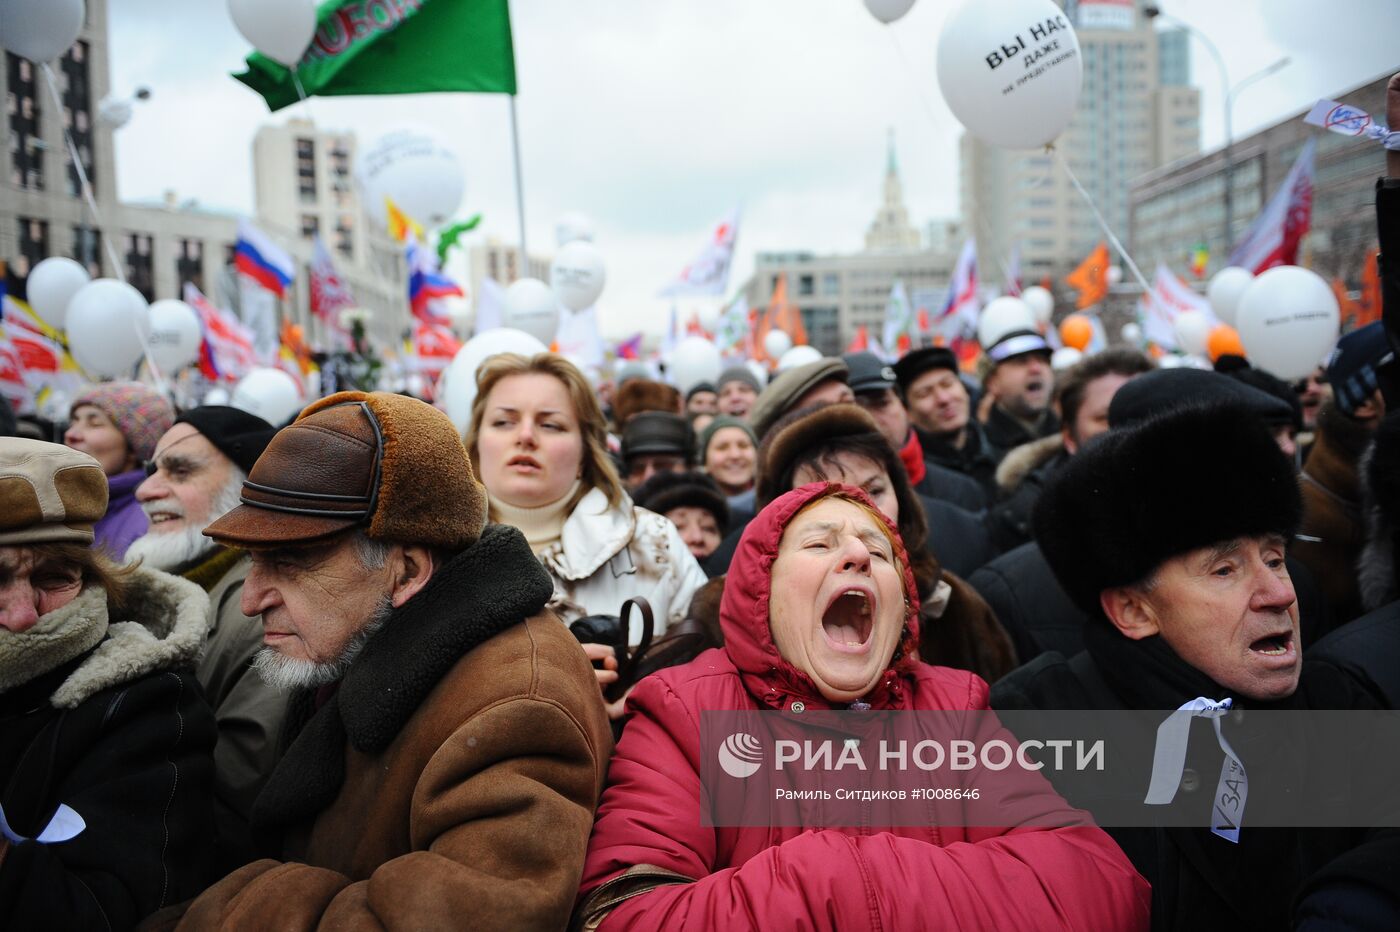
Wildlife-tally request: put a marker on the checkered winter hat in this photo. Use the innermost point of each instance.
(140, 412)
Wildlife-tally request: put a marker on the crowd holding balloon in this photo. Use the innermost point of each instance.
(277, 654)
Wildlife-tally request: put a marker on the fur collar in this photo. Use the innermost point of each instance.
(490, 586)
(169, 634)
(1375, 568)
(55, 639)
(1026, 459)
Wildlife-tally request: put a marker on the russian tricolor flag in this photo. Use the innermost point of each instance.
(262, 260)
(426, 284)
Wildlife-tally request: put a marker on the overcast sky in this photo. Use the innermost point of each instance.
(655, 119)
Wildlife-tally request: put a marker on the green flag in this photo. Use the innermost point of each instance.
(396, 47)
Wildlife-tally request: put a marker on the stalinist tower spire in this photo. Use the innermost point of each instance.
(890, 231)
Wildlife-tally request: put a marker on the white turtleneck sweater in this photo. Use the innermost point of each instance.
(541, 525)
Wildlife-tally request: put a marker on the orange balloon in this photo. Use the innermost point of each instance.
(1076, 331)
(1224, 340)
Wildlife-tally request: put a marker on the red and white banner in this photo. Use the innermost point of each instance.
(708, 274)
(227, 351)
(958, 316)
(1274, 236)
(1170, 297)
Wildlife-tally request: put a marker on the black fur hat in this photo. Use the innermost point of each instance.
(667, 490)
(1135, 497)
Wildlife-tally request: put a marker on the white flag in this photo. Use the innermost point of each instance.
(899, 316)
(490, 306)
(733, 325)
(708, 274)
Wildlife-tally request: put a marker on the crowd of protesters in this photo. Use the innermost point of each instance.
(365, 671)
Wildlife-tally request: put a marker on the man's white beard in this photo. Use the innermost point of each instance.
(287, 673)
(170, 551)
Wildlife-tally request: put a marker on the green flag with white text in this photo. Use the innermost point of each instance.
(396, 47)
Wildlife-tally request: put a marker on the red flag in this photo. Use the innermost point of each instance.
(227, 349)
(329, 293)
(435, 346)
(1274, 236)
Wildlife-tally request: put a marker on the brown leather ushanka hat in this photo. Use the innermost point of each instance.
(390, 464)
(48, 493)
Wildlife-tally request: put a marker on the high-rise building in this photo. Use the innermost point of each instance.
(1134, 114)
(162, 245)
(501, 261)
(837, 294)
(891, 231)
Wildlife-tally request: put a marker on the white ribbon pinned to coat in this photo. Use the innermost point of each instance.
(1169, 761)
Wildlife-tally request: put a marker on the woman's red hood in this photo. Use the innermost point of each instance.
(743, 611)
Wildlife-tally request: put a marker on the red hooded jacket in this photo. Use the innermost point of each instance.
(682, 875)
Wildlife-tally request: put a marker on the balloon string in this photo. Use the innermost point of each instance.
(1103, 225)
(86, 185)
(83, 181)
(978, 219)
(301, 94)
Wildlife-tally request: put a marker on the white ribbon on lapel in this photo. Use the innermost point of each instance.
(1169, 760)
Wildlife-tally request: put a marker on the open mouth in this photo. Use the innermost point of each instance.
(1034, 385)
(849, 620)
(1275, 645)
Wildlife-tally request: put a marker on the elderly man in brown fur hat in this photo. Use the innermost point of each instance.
(447, 740)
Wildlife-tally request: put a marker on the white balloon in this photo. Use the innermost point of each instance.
(1288, 320)
(1225, 291)
(531, 307)
(411, 167)
(271, 394)
(1114, 274)
(1040, 301)
(1173, 361)
(759, 371)
(218, 395)
(695, 360)
(1064, 357)
(107, 325)
(1010, 71)
(459, 379)
(52, 285)
(577, 275)
(280, 29)
(40, 30)
(1131, 333)
(776, 343)
(573, 226)
(887, 11)
(1002, 316)
(175, 336)
(1192, 331)
(798, 356)
(114, 112)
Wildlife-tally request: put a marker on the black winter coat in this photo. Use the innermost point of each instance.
(133, 759)
(1273, 876)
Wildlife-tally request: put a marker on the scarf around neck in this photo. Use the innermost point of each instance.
(55, 639)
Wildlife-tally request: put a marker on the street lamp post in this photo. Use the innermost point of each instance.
(1230, 94)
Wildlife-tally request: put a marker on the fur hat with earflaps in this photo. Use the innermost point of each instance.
(1138, 496)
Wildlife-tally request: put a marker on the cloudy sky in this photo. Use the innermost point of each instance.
(655, 119)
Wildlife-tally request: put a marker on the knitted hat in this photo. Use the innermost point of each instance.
(699, 387)
(1351, 368)
(235, 433)
(738, 374)
(667, 490)
(914, 364)
(49, 493)
(658, 432)
(788, 388)
(718, 424)
(387, 463)
(1164, 390)
(138, 411)
(1138, 496)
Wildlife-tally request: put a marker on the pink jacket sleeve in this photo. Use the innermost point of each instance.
(1026, 878)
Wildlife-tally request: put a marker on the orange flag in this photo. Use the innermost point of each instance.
(860, 342)
(1350, 310)
(1370, 310)
(1091, 278)
(781, 315)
